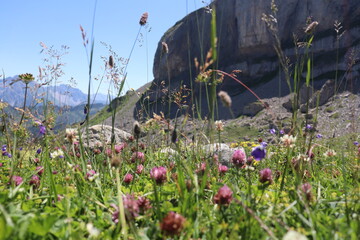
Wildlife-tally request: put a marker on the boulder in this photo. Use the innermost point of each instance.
(245, 43)
(100, 135)
(222, 150)
(253, 108)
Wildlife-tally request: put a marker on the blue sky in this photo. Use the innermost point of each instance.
(24, 24)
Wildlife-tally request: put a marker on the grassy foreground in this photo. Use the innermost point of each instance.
(59, 189)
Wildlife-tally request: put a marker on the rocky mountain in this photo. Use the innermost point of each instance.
(245, 43)
(60, 95)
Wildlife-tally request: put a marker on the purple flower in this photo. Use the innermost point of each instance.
(139, 169)
(131, 208)
(223, 196)
(17, 180)
(356, 143)
(158, 174)
(308, 126)
(38, 151)
(40, 170)
(222, 169)
(9, 155)
(319, 135)
(259, 152)
(144, 204)
(265, 175)
(4, 148)
(272, 131)
(138, 156)
(35, 181)
(172, 224)
(42, 130)
(239, 158)
(282, 131)
(128, 178)
(306, 189)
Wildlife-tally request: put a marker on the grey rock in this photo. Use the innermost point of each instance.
(100, 135)
(253, 108)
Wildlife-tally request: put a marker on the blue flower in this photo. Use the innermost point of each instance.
(38, 151)
(319, 136)
(272, 131)
(356, 143)
(42, 130)
(259, 152)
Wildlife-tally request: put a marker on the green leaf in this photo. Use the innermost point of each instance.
(308, 75)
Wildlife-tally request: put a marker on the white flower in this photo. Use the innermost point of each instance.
(71, 135)
(330, 153)
(293, 235)
(219, 125)
(93, 231)
(57, 153)
(288, 140)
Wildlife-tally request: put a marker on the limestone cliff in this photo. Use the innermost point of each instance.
(244, 43)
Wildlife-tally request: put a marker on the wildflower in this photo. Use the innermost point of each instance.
(239, 158)
(356, 143)
(308, 127)
(144, 204)
(265, 175)
(58, 153)
(288, 140)
(93, 231)
(174, 136)
(111, 62)
(9, 155)
(311, 27)
(17, 180)
(71, 135)
(138, 156)
(38, 151)
(172, 224)
(35, 181)
(158, 174)
(131, 206)
(306, 189)
(293, 235)
(36, 160)
(42, 130)
(128, 178)
(201, 168)
(219, 126)
(143, 19)
(330, 153)
(4, 148)
(40, 170)
(91, 175)
(272, 131)
(259, 152)
(119, 148)
(86, 108)
(222, 169)
(139, 169)
(223, 196)
(165, 48)
(136, 129)
(225, 98)
(319, 136)
(115, 162)
(282, 132)
(26, 78)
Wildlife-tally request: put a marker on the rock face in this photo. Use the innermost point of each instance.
(245, 43)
